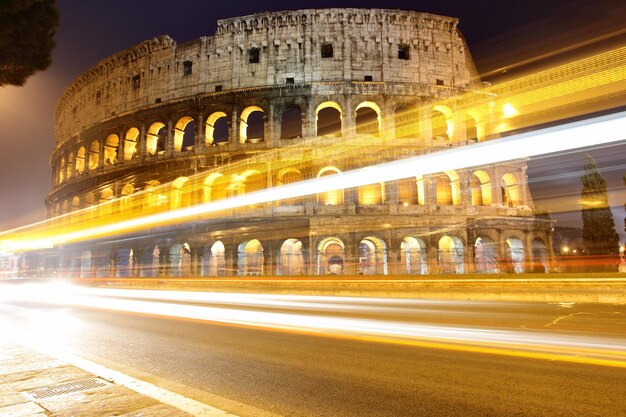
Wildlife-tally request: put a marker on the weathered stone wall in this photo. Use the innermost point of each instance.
(365, 43)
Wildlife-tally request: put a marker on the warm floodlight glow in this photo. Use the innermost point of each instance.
(509, 111)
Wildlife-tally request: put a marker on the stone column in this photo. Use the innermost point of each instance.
(169, 139)
(143, 142)
(348, 118)
(234, 127)
(200, 140)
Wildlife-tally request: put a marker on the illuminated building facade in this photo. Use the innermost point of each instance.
(275, 98)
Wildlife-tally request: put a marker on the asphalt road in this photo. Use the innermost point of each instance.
(261, 368)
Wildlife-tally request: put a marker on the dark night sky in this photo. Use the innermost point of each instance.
(498, 32)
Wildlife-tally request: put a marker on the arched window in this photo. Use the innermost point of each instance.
(184, 134)
(110, 149)
(329, 198)
(125, 204)
(75, 203)
(372, 256)
(180, 260)
(94, 154)
(471, 131)
(331, 257)
(61, 171)
(442, 123)
(450, 255)
(80, 160)
(217, 262)
(250, 258)
(215, 187)
(485, 256)
(288, 176)
(182, 193)
(70, 166)
(106, 205)
(153, 198)
(480, 184)
(448, 189)
(371, 194)
(514, 255)
(407, 191)
(291, 123)
(253, 180)
(510, 190)
(328, 119)
(155, 139)
(252, 125)
(413, 251)
(217, 129)
(130, 144)
(291, 261)
(367, 118)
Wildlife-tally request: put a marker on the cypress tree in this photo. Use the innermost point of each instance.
(599, 236)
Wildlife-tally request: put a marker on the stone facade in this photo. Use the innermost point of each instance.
(274, 98)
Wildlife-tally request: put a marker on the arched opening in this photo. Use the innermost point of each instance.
(184, 134)
(70, 166)
(94, 154)
(371, 194)
(80, 160)
(367, 119)
(291, 123)
(125, 204)
(485, 256)
(216, 132)
(448, 189)
(155, 139)
(85, 264)
(442, 123)
(450, 255)
(289, 176)
(106, 202)
(253, 180)
(131, 150)
(155, 265)
(514, 255)
(471, 132)
(153, 199)
(372, 256)
(330, 198)
(328, 119)
(61, 170)
(480, 184)
(540, 256)
(291, 260)
(75, 203)
(182, 193)
(180, 260)
(215, 187)
(217, 260)
(252, 125)
(250, 258)
(331, 257)
(125, 263)
(111, 145)
(406, 122)
(407, 191)
(413, 256)
(510, 190)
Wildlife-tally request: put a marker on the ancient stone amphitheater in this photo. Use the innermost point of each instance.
(275, 98)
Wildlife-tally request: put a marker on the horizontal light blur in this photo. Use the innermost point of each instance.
(340, 316)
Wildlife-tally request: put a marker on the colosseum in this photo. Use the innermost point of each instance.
(275, 98)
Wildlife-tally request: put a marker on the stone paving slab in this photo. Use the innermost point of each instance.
(33, 384)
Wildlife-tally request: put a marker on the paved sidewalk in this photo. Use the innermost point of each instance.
(33, 384)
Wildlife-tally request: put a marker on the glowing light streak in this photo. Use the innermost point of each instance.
(553, 346)
(597, 131)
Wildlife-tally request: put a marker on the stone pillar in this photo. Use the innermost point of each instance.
(101, 154)
(169, 139)
(234, 127)
(529, 261)
(351, 256)
(460, 133)
(348, 118)
(165, 262)
(388, 122)
(496, 187)
(465, 188)
(143, 142)
(200, 139)
(430, 190)
(391, 192)
(432, 255)
(269, 259)
(195, 252)
(231, 259)
(425, 126)
(393, 257)
(268, 126)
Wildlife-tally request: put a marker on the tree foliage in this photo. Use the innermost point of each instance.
(599, 234)
(27, 29)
